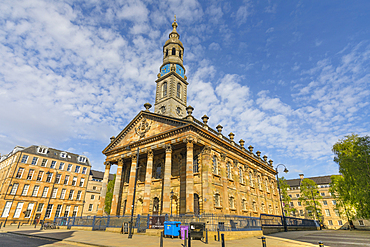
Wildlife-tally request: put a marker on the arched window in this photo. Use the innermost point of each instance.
(217, 200)
(214, 165)
(259, 182)
(195, 164)
(166, 52)
(267, 186)
(173, 51)
(178, 90)
(156, 205)
(157, 174)
(241, 178)
(228, 170)
(164, 89)
(244, 204)
(263, 208)
(254, 206)
(180, 53)
(251, 179)
(231, 202)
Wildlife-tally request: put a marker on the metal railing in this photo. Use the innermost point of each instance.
(276, 220)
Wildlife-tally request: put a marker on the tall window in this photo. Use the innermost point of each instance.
(44, 161)
(75, 210)
(66, 211)
(156, 205)
(49, 177)
(14, 189)
(251, 179)
(84, 170)
(57, 178)
(6, 209)
(48, 211)
(63, 194)
(228, 170)
(61, 166)
(53, 163)
(45, 192)
(54, 193)
(69, 167)
(231, 202)
(82, 181)
(263, 208)
(241, 178)
(77, 169)
(74, 181)
(24, 158)
(40, 207)
(267, 186)
(18, 210)
(30, 174)
(164, 89)
(35, 190)
(27, 213)
(166, 52)
(259, 182)
(178, 90)
(195, 164)
(34, 161)
(40, 175)
(20, 172)
(90, 207)
(244, 204)
(254, 206)
(180, 53)
(217, 200)
(25, 189)
(214, 165)
(78, 197)
(173, 51)
(66, 179)
(58, 211)
(70, 197)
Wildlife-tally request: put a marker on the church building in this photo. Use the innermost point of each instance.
(184, 166)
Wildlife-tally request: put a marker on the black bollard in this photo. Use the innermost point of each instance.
(263, 242)
(206, 235)
(161, 240)
(218, 234)
(189, 241)
(222, 240)
(321, 244)
(185, 238)
(19, 223)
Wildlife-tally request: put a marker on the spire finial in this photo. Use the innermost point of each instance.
(174, 25)
(175, 18)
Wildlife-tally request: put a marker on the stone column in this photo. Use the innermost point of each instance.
(131, 184)
(103, 191)
(189, 178)
(148, 183)
(225, 182)
(166, 200)
(207, 180)
(117, 189)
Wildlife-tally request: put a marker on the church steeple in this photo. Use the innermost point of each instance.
(171, 83)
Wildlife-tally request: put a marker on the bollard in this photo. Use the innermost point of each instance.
(189, 241)
(35, 224)
(218, 234)
(19, 223)
(321, 244)
(161, 240)
(263, 242)
(222, 240)
(206, 235)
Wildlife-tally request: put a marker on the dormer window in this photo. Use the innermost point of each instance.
(63, 155)
(42, 150)
(82, 159)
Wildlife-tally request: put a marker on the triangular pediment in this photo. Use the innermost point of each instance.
(144, 125)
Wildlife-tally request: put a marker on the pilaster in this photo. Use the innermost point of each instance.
(131, 184)
(103, 192)
(207, 180)
(167, 181)
(148, 182)
(189, 178)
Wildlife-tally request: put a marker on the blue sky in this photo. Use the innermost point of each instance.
(288, 77)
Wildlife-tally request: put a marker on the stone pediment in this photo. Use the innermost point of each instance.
(144, 125)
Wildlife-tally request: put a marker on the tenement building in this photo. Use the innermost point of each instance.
(92, 197)
(184, 166)
(39, 183)
(330, 214)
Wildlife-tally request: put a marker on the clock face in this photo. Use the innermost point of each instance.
(180, 70)
(165, 69)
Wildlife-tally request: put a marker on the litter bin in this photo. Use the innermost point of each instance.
(172, 228)
(196, 230)
(183, 229)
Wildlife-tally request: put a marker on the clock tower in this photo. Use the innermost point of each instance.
(171, 89)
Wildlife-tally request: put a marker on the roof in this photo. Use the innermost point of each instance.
(100, 175)
(318, 180)
(55, 154)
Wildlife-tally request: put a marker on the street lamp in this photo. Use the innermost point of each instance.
(133, 198)
(171, 200)
(281, 202)
(51, 194)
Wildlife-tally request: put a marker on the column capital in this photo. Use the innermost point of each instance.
(133, 156)
(223, 156)
(120, 161)
(207, 150)
(108, 164)
(168, 148)
(150, 153)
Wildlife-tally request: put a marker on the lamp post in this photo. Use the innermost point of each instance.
(171, 200)
(282, 208)
(10, 186)
(51, 194)
(133, 198)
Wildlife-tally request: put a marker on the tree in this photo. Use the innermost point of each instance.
(310, 197)
(353, 157)
(285, 198)
(109, 195)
